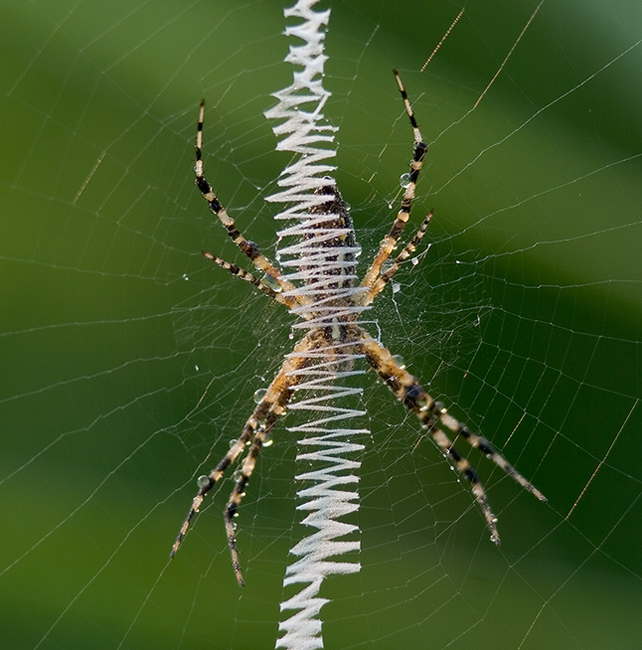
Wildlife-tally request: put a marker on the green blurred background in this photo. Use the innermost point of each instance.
(127, 360)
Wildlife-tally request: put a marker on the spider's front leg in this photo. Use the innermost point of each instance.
(434, 419)
(256, 430)
(277, 397)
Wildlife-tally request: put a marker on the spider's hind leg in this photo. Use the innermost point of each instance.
(385, 276)
(390, 240)
(237, 271)
(248, 248)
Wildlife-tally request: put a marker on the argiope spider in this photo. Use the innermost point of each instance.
(347, 334)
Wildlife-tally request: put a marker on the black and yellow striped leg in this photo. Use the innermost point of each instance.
(248, 248)
(278, 395)
(249, 464)
(237, 271)
(257, 427)
(434, 419)
(382, 280)
(391, 239)
(215, 475)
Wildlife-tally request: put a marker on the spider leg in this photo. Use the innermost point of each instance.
(248, 277)
(249, 463)
(248, 248)
(208, 482)
(433, 417)
(256, 429)
(391, 239)
(384, 277)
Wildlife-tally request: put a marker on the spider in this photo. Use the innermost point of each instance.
(336, 337)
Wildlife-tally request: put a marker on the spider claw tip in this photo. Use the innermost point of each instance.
(533, 490)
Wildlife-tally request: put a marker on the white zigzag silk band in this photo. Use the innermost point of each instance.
(321, 270)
